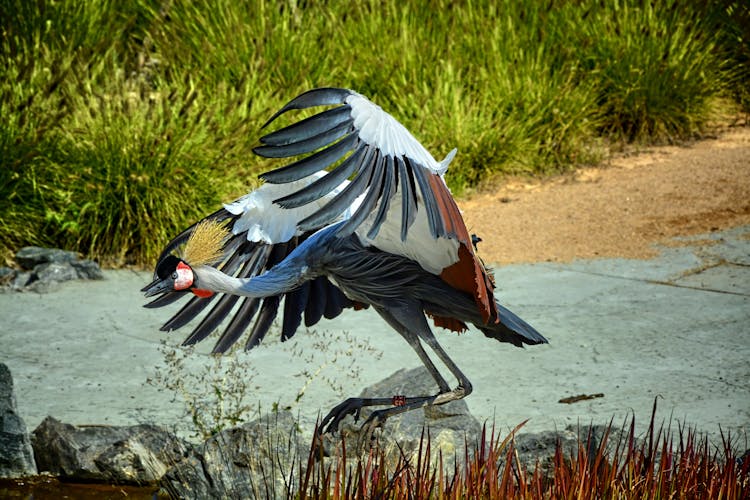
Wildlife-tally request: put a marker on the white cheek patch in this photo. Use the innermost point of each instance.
(184, 278)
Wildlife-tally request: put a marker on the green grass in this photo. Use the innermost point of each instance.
(139, 163)
(122, 122)
(656, 68)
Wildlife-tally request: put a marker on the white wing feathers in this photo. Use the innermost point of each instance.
(266, 221)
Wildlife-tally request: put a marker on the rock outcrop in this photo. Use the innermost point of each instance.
(138, 454)
(266, 458)
(16, 454)
(43, 268)
(260, 459)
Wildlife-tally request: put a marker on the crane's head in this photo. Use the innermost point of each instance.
(173, 273)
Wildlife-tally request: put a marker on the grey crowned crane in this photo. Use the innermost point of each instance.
(361, 218)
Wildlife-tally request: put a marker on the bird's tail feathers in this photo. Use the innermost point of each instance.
(511, 328)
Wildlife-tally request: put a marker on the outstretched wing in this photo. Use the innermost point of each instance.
(262, 236)
(363, 142)
(397, 196)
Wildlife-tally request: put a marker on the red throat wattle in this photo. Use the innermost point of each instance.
(184, 277)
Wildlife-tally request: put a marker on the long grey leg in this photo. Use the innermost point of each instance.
(352, 406)
(463, 382)
(413, 341)
(410, 318)
(409, 321)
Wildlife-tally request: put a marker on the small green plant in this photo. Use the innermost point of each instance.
(215, 396)
(217, 390)
(338, 351)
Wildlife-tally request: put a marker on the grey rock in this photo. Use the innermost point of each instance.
(16, 454)
(22, 279)
(30, 257)
(138, 454)
(50, 267)
(38, 286)
(55, 271)
(87, 270)
(532, 450)
(450, 427)
(255, 460)
(7, 274)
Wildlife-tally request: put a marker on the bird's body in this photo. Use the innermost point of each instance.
(378, 229)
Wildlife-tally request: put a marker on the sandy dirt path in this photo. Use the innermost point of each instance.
(619, 209)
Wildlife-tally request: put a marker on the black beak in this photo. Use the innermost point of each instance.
(158, 286)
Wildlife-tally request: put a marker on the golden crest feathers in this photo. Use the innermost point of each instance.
(205, 245)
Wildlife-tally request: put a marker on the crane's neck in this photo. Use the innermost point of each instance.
(305, 262)
(278, 280)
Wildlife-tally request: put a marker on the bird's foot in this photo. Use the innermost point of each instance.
(353, 406)
(329, 426)
(350, 406)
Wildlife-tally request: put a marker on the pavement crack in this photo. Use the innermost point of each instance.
(722, 380)
(661, 282)
(700, 289)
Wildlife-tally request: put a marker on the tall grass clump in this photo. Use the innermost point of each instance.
(655, 66)
(141, 163)
(730, 20)
(38, 50)
(29, 112)
(101, 154)
(43, 45)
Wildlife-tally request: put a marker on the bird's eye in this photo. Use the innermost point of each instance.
(174, 275)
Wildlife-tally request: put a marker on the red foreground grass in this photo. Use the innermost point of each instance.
(658, 466)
